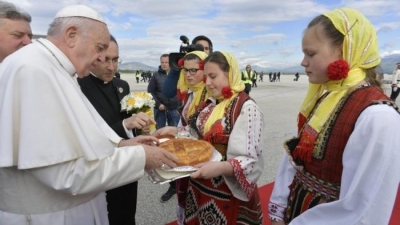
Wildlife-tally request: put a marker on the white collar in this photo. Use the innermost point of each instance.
(59, 55)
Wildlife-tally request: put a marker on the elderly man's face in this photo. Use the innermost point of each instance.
(14, 34)
(90, 49)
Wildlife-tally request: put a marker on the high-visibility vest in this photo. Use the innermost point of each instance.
(247, 77)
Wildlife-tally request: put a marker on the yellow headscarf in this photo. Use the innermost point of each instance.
(183, 86)
(360, 50)
(235, 83)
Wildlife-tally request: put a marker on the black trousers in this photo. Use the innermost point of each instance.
(394, 94)
(247, 88)
(121, 204)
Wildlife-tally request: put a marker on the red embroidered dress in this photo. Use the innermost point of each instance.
(212, 201)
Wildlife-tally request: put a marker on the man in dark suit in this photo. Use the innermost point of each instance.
(105, 92)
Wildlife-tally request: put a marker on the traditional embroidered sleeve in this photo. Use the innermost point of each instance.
(245, 151)
(280, 193)
(370, 179)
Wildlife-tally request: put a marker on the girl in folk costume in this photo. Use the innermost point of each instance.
(192, 91)
(191, 87)
(343, 168)
(226, 192)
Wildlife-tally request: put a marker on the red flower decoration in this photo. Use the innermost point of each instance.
(201, 65)
(338, 70)
(180, 63)
(204, 79)
(227, 92)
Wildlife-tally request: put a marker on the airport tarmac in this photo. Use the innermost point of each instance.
(279, 102)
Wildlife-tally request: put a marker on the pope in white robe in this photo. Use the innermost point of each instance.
(57, 155)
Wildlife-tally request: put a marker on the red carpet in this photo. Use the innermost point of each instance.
(265, 192)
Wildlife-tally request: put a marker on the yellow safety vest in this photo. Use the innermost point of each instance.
(247, 77)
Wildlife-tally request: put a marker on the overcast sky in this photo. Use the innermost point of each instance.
(263, 32)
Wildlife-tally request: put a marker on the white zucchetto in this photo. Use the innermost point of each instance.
(79, 11)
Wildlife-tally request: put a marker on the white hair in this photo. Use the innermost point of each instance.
(60, 24)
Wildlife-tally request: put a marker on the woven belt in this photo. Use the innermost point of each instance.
(317, 186)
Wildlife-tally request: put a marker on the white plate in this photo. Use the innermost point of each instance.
(214, 158)
(160, 176)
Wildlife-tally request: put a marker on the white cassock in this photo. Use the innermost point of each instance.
(370, 178)
(57, 155)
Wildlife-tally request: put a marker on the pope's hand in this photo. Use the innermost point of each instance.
(138, 121)
(157, 157)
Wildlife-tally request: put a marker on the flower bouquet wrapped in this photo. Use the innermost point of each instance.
(136, 102)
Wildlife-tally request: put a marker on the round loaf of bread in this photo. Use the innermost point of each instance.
(189, 152)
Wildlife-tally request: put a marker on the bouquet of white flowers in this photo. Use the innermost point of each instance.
(136, 102)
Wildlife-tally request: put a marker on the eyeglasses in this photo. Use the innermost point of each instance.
(114, 61)
(192, 71)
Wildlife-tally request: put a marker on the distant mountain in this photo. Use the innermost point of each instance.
(136, 66)
(388, 64)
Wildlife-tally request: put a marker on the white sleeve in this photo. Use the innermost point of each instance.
(280, 193)
(80, 176)
(129, 133)
(370, 178)
(245, 148)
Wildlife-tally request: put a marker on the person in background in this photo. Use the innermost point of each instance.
(165, 110)
(137, 76)
(105, 92)
(343, 166)
(170, 84)
(247, 75)
(226, 191)
(15, 29)
(58, 155)
(254, 79)
(395, 81)
(261, 76)
(192, 92)
(117, 75)
(296, 76)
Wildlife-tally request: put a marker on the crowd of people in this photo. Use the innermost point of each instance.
(69, 155)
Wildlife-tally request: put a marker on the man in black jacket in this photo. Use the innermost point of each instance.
(105, 92)
(165, 110)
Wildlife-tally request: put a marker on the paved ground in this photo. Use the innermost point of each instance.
(278, 101)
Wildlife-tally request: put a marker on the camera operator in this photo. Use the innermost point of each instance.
(170, 83)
